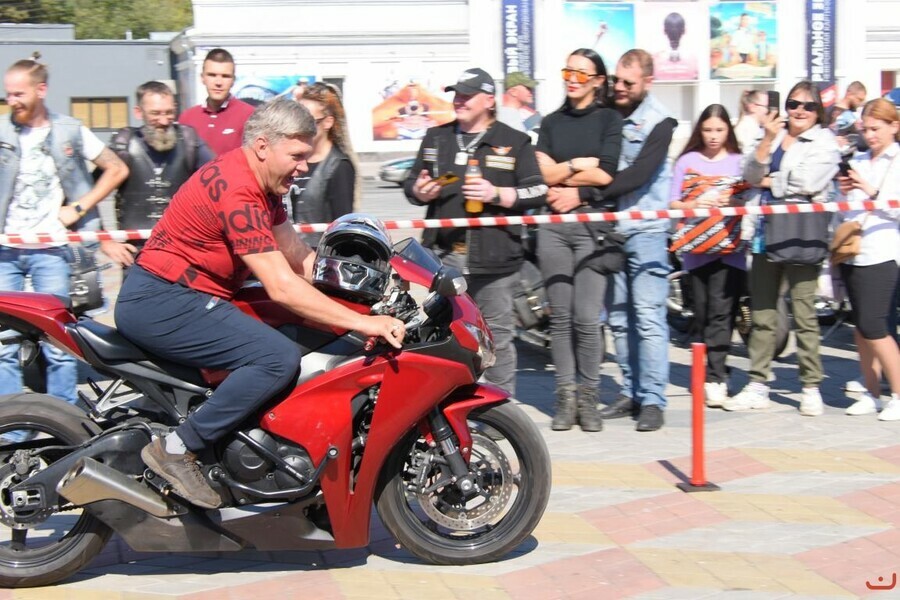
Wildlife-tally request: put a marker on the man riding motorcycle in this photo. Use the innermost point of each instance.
(224, 223)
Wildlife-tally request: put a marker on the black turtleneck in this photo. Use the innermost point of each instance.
(577, 132)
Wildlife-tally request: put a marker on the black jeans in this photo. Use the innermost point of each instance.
(200, 330)
(716, 287)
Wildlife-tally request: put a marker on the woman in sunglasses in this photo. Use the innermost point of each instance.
(794, 163)
(871, 275)
(578, 148)
(329, 189)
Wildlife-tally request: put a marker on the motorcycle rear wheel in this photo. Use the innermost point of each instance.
(52, 546)
(511, 463)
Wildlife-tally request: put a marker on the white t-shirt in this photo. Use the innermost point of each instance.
(38, 194)
(881, 238)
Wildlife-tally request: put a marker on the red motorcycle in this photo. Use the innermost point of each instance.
(458, 473)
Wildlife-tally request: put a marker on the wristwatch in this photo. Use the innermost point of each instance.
(81, 212)
(571, 165)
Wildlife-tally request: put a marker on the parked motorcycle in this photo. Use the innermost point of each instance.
(458, 473)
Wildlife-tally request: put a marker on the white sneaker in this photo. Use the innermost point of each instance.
(811, 404)
(855, 386)
(866, 405)
(754, 396)
(891, 410)
(716, 394)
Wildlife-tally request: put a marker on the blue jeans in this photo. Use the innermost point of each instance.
(49, 272)
(636, 301)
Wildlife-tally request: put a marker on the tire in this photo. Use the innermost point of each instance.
(503, 525)
(75, 537)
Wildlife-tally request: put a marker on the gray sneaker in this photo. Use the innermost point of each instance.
(183, 472)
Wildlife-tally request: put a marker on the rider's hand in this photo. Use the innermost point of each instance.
(388, 328)
(425, 189)
(120, 253)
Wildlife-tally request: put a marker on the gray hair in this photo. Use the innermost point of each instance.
(278, 119)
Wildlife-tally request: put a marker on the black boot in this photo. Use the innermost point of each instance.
(622, 407)
(588, 415)
(564, 411)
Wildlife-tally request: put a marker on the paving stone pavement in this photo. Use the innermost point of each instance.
(808, 508)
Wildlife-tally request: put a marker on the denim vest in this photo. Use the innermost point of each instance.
(654, 194)
(64, 145)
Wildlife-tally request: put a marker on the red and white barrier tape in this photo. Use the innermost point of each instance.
(729, 211)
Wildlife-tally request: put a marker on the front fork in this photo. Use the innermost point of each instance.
(450, 429)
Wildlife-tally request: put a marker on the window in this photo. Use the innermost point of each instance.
(101, 113)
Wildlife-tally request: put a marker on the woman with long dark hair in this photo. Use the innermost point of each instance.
(578, 148)
(329, 189)
(707, 175)
(794, 164)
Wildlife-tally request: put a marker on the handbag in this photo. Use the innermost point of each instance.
(847, 241)
(709, 235)
(609, 254)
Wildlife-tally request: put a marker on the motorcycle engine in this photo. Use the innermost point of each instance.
(248, 466)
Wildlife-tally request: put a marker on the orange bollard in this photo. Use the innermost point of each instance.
(698, 481)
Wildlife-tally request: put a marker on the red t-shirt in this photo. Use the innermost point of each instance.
(217, 216)
(222, 131)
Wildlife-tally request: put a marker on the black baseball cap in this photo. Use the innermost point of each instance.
(473, 81)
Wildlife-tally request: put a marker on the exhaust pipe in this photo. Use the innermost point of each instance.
(91, 481)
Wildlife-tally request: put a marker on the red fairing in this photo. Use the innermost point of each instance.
(317, 415)
(458, 406)
(411, 272)
(45, 311)
(255, 302)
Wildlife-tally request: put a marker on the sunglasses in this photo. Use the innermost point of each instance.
(580, 76)
(807, 106)
(628, 84)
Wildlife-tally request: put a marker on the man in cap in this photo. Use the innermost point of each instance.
(518, 110)
(510, 183)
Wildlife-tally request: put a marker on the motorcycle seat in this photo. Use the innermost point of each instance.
(107, 342)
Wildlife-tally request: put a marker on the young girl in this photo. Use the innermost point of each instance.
(706, 175)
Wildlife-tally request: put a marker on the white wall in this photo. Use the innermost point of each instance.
(364, 41)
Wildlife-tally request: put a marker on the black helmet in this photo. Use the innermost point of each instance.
(353, 259)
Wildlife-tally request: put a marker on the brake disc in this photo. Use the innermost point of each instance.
(494, 480)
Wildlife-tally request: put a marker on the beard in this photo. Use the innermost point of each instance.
(161, 140)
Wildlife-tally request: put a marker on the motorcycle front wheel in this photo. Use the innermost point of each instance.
(436, 522)
(46, 545)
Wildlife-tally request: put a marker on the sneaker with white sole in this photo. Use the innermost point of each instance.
(891, 410)
(867, 404)
(811, 404)
(854, 386)
(715, 393)
(754, 396)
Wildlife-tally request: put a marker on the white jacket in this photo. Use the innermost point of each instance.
(807, 168)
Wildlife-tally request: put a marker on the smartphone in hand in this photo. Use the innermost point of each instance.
(844, 168)
(774, 101)
(446, 179)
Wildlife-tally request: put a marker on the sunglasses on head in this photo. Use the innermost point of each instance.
(795, 104)
(580, 76)
(628, 84)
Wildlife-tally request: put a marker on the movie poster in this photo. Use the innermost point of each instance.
(743, 40)
(675, 33)
(256, 89)
(409, 107)
(607, 27)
